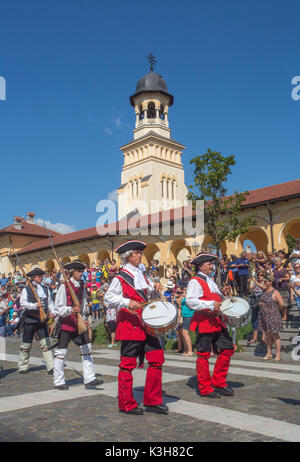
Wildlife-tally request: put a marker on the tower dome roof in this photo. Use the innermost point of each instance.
(151, 82)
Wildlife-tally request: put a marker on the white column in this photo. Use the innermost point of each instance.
(165, 188)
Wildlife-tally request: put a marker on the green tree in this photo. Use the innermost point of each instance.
(291, 243)
(222, 219)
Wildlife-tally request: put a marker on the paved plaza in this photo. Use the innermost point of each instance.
(265, 406)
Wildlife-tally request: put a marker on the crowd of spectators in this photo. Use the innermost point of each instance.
(269, 283)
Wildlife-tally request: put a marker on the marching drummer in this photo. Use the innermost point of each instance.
(129, 289)
(204, 296)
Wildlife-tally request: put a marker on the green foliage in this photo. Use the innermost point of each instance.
(291, 243)
(172, 344)
(221, 214)
(99, 335)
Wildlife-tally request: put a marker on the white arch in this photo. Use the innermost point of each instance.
(284, 226)
(84, 249)
(64, 253)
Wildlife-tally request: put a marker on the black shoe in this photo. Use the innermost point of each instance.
(93, 384)
(136, 411)
(213, 394)
(62, 387)
(159, 409)
(226, 391)
(23, 372)
(50, 372)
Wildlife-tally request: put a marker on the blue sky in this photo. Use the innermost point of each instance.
(71, 65)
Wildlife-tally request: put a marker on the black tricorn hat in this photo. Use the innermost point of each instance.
(36, 272)
(130, 245)
(202, 258)
(74, 265)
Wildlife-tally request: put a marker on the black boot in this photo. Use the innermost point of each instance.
(93, 384)
(136, 411)
(226, 391)
(213, 394)
(62, 387)
(158, 409)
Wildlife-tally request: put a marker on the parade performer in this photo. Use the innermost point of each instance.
(129, 289)
(31, 324)
(204, 296)
(68, 312)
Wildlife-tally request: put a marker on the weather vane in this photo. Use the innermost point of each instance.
(151, 61)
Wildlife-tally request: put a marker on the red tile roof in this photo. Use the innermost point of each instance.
(256, 197)
(273, 193)
(29, 229)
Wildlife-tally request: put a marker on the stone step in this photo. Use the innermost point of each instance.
(291, 323)
(285, 346)
(285, 337)
(290, 330)
(293, 317)
(294, 311)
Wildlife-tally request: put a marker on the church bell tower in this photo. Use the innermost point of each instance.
(152, 174)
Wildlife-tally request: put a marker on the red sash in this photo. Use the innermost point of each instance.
(201, 319)
(129, 326)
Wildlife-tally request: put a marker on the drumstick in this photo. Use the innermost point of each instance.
(163, 299)
(229, 308)
(150, 301)
(154, 317)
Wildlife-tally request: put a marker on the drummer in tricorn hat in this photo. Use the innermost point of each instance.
(204, 296)
(129, 289)
(66, 310)
(31, 324)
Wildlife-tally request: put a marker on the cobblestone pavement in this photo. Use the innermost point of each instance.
(265, 406)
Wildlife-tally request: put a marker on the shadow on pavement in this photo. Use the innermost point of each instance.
(293, 402)
(6, 372)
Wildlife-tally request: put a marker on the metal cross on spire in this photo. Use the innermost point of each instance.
(151, 60)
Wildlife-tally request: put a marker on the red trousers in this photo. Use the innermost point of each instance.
(153, 385)
(205, 381)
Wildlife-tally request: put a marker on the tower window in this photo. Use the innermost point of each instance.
(151, 111)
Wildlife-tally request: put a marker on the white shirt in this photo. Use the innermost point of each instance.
(295, 257)
(61, 307)
(142, 267)
(194, 293)
(296, 288)
(26, 305)
(114, 296)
